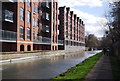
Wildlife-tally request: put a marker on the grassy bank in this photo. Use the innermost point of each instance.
(79, 71)
(115, 63)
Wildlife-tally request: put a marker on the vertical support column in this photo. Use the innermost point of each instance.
(57, 25)
(31, 20)
(1, 29)
(51, 24)
(25, 47)
(25, 27)
(31, 24)
(18, 26)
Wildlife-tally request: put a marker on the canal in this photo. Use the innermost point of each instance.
(43, 68)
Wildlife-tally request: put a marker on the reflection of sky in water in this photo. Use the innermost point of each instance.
(43, 68)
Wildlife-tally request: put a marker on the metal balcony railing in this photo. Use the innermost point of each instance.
(45, 4)
(41, 39)
(8, 35)
(60, 42)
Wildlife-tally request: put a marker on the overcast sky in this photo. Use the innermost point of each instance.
(92, 12)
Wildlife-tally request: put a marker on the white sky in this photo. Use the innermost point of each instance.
(91, 12)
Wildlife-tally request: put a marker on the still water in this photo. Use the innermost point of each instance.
(43, 68)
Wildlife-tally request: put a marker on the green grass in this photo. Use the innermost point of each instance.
(115, 63)
(79, 71)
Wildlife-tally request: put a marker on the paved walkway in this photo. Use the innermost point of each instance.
(101, 71)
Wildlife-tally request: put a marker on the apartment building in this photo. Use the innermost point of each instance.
(71, 30)
(29, 25)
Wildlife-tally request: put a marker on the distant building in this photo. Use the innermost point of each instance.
(71, 30)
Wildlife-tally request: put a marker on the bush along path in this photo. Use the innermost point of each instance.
(115, 63)
(79, 71)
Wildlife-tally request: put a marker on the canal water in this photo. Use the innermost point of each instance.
(43, 68)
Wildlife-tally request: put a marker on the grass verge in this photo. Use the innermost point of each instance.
(115, 63)
(79, 71)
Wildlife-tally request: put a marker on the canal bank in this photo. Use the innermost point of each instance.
(46, 68)
(18, 56)
(79, 71)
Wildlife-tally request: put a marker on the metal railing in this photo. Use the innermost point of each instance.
(41, 39)
(45, 4)
(60, 42)
(8, 35)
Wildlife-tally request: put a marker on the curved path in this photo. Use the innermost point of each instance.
(101, 71)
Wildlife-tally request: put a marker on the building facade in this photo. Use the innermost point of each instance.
(32, 25)
(29, 25)
(71, 30)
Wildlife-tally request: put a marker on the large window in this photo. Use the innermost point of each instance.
(47, 16)
(28, 14)
(58, 32)
(28, 33)
(29, 2)
(58, 22)
(35, 23)
(43, 14)
(21, 32)
(21, 0)
(8, 16)
(35, 8)
(21, 14)
(47, 28)
(47, 4)
(34, 35)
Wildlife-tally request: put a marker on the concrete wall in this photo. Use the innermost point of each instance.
(74, 48)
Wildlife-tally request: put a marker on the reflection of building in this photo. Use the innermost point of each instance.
(71, 30)
(54, 59)
(28, 26)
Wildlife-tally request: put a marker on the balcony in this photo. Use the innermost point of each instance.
(8, 36)
(10, 1)
(60, 42)
(9, 16)
(42, 40)
(45, 4)
(45, 16)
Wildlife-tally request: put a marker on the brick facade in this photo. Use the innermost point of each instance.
(73, 28)
(32, 26)
(38, 26)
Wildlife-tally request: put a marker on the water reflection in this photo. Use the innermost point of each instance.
(45, 68)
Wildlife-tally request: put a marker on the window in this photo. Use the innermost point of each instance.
(21, 14)
(21, 0)
(35, 8)
(58, 32)
(47, 16)
(47, 28)
(28, 33)
(47, 4)
(28, 16)
(53, 15)
(58, 21)
(53, 27)
(28, 2)
(21, 32)
(35, 23)
(43, 14)
(8, 16)
(33, 35)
